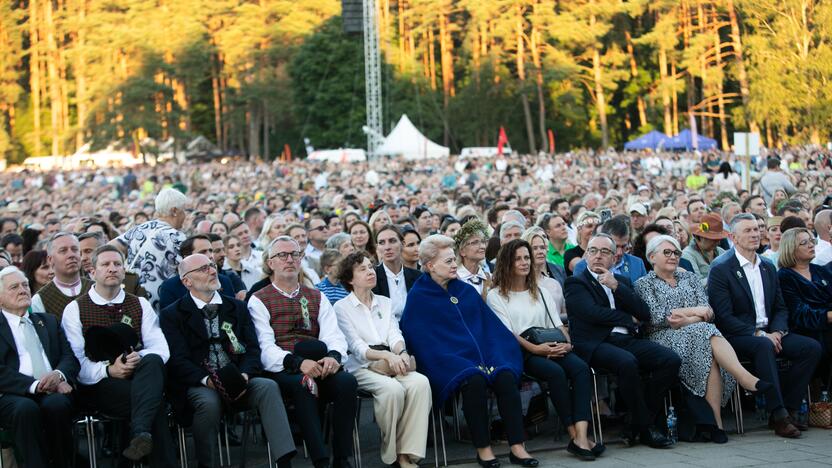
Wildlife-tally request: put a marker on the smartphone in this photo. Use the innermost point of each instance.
(606, 215)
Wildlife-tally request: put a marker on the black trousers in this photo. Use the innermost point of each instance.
(339, 388)
(141, 401)
(475, 407)
(42, 427)
(572, 406)
(803, 354)
(627, 357)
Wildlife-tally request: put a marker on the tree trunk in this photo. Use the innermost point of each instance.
(538, 75)
(668, 117)
(265, 131)
(215, 91)
(55, 104)
(34, 74)
(446, 57)
(640, 104)
(723, 126)
(253, 120)
(431, 59)
(81, 75)
(742, 75)
(600, 100)
(520, 58)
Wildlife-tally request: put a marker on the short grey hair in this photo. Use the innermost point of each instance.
(337, 240)
(430, 247)
(655, 242)
(514, 215)
(168, 199)
(283, 238)
(606, 236)
(510, 225)
(50, 244)
(532, 232)
(9, 270)
(727, 207)
(740, 218)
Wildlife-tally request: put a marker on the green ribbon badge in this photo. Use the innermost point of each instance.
(304, 306)
(235, 343)
(125, 319)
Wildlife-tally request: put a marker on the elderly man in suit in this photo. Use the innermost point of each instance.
(744, 292)
(604, 312)
(37, 374)
(208, 332)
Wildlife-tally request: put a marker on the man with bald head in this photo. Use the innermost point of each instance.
(604, 314)
(823, 226)
(302, 349)
(210, 334)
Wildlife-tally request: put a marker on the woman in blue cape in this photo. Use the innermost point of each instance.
(462, 346)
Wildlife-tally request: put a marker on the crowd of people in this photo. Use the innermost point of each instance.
(209, 289)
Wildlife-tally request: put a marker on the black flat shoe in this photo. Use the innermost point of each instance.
(583, 454)
(762, 387)
(598, 449)
(527, 462)
(493, 463)
(718, 436)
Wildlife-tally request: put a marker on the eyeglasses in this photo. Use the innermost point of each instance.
(202, 269)
(806, 242)
(283, 256)
(474, 242)
(321, 228)
(672, 253)
(595, 251)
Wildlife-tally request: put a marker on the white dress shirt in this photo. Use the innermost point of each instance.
(272, 355)
(365, 327)
(611, 297)
(755, 281)
(37, 301)
(153, 340)
(398, 290)
(477, 280)
(823, 253)
(22, 354)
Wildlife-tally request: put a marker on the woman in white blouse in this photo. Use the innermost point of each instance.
(539, 242)
(379, 361)
(521, 303)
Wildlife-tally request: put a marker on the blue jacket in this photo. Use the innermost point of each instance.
(591, 319)
(630, 266)
(807, 301)
(172, 290)
(730, 297)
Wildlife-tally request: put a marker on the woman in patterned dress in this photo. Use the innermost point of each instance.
(680, 320)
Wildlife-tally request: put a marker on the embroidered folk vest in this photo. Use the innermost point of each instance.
(286, 315)
(92, 314)
(55, 301)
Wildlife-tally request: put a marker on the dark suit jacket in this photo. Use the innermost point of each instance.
(591, 319)
(730, 297)
(172, 289)
(410, 276)
(187, 338)
(55, 345)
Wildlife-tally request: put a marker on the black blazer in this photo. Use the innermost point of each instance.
(410, 276)
(591, 319)
(55, 345)
(187, 338)
(730, 297)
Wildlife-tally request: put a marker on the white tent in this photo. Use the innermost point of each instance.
(343, 155)
(405, 140)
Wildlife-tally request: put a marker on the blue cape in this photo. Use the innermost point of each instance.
(452, 342)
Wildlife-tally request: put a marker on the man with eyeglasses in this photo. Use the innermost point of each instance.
(210, 336)
(624, 263)
(302, 349)
(604, 315)
(317, 232)
(130, 386)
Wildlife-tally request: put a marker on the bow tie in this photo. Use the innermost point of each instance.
(475, 280)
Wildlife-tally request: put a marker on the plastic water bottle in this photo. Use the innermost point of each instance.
(824, 396)
(760, 406)
(803, 414)
(672, 432)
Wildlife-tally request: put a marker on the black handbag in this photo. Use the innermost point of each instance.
(540, 335)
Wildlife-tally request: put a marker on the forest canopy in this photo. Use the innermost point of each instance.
(257, 76)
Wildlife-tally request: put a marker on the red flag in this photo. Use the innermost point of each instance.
(501, 141)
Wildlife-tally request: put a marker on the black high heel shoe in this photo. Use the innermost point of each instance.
(494, 463)
(526, 462)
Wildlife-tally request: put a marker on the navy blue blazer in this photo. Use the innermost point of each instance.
(730, 297)
(172, 289)
(55, 345)
(187, 337)
(410, 277)
(807, 301)
(591, 319)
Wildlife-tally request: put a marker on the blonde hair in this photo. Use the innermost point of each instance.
(788, 247)
(430, 247)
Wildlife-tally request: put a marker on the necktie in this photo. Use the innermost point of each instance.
(210, 311)
(33, 347)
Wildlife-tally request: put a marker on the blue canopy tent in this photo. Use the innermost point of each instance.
(684, 141)
(652, 140)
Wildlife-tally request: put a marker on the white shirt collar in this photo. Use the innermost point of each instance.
(14, 319)
(744, 261)
(464, 274)
(97, 299)
(215, 299)
(356, 302)
(287, 294)
(390, 273)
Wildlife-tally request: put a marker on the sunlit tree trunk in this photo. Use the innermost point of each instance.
(34, 74)
(55, 104)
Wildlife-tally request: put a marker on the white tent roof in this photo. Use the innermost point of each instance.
(342, 155)
(405, 140)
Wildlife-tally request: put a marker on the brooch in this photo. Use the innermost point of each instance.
(704, 227)
(125, 319)
(454, 300)
(739, 274)
(823, 282)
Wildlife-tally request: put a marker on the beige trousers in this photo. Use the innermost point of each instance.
(402, 408)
